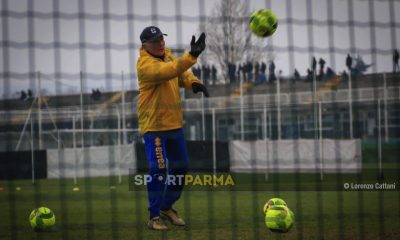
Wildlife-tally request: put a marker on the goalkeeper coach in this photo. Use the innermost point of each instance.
(160, 75)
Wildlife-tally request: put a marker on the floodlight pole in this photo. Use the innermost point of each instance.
(123, 107)
(119, 147)
(74, 146)
(214, 143)
(315, 102)
(265, 123)
(241, 111)
(278, 92)
(379, 139)
(32, 154)
(39, 110)
(265, 135)
(203, 118)
(385, 108)
(203, 124)
(321, 148)
(350, 97)
(81, 100)
(82, 136)
(267, 151)
(270, 124)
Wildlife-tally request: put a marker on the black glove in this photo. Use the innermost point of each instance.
(197, 47)
(198, 87)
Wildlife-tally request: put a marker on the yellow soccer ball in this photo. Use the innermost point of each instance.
(42, 219)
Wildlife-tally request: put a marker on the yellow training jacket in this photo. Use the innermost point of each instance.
(159, 104)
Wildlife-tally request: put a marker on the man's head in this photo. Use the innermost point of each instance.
(153, 41)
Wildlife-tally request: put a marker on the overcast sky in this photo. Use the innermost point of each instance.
(179, 19)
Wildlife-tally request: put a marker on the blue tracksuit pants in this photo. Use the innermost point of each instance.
(167, 155)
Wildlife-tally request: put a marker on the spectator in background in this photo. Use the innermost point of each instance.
(214, 74)
(249, 70)
(96, 94)
(345, 76)
(23, 95)
(296, 75)
(30, 94)
(314, 64)
(231, 72)
(244, 67)
(261, 78)
(396, 67)
(330, 73)
(310, 74)
(263, 67)
(349, 62)
(360, 67)
(321, 68)
(271, 69)
(256, 71)
(238, 72)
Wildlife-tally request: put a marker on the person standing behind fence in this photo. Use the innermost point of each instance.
(296, 75)
(249, 69)
(263, 67)
(310, 75)
(314, 64)
(231, 72)
(23, 95)
(244, 70)
(271, 69)
(238, 71)
(256, 71)
(30, 95)
(321, 63)
(396, 67)
(349, 62)
(214, 74)
(160, 75)
(262, 77)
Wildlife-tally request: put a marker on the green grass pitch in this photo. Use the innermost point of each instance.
(98, 212)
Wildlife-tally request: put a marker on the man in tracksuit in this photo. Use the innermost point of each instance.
(160, 75)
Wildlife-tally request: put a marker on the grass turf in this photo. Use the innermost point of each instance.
(99, 212)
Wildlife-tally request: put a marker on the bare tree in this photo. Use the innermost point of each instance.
(229, 38)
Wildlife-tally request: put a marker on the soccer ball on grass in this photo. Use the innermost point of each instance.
(42, 219)
(279, 219)
(263, 23)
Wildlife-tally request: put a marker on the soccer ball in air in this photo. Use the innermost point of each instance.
(42, 219)
(279, 218)
(274, 202)
(263, 23)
